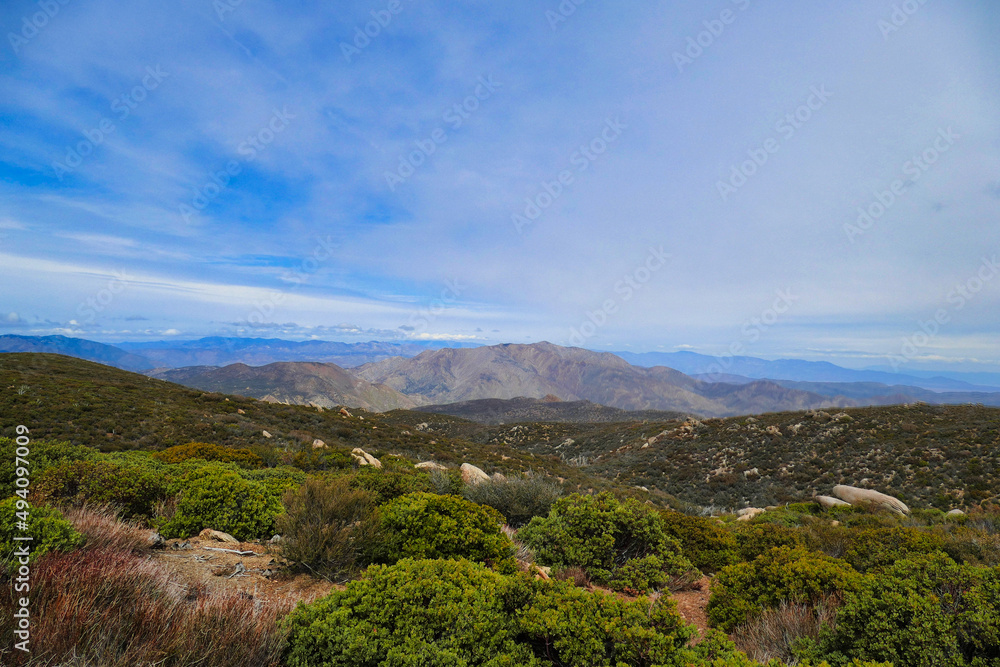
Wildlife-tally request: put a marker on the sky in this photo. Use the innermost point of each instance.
(779, 179)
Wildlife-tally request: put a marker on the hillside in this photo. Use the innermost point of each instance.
(89, 404)
(574, 374)
(513, 410)
(76, 347)
(302, 383)
(942, 456)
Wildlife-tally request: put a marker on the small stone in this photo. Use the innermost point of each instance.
(472, 475)
(266, 434)
(277, 539)
(156, 541)
(217, 535)
(318, 444)
(429, 465)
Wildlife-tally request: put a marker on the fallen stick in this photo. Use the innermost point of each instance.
(233, 551)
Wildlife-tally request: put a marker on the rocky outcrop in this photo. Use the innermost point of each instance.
(748, 513)
(364, 458)
(828, 502)
(217, 535)
(429, 465)
(856, 496)
(473, 475)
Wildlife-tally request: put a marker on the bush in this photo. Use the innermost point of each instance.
(740, 593)
(519, 499)
(45, 525)
(425, 612)
(426, 525)
(925, 610)
(132, 491)
(601, 534)
(705, 543)
(392, 482)
(876, 548)
(209, 452)
(44, 454)
(221, 499)
(435, 612)
(328, 527)
(756, 539)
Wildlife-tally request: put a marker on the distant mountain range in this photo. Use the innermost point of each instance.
(693, 363)
(405, 375)
(301, 382)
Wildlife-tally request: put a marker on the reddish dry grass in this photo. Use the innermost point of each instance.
(775, 631)
(104, 530)
(110, 605)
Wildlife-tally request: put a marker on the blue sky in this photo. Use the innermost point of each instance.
(641, 176)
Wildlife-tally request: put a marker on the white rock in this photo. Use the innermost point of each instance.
(429, 465)
(473, 475)
(748, 513)
(826, 502)
(318, 444)
(955, 513)
(856, 496)
(266, 434)
(364, 458)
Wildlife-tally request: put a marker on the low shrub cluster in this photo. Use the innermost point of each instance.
(210, 452)
(618, 543)
(46, 526)
(446, 612)
(132, 490)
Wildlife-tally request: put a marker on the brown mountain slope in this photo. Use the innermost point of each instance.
(574, 374)
(300, 383)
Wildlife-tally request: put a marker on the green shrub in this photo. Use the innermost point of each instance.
(705, 543)
(209, 452)
(925, 610)
(741, 592)
(43, 454)
(755, 539)
(328, 527)
(392, 482)
(519, 498)
(426, 525)
(221, 499)
(875, 548)
(276, 480)
(456, 613)
(413, 613)
(601, 534)
(132, 491)
(45, 525)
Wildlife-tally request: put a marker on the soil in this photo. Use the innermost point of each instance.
(265, 577)
(691, 604)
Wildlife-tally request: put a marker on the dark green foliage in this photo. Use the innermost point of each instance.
(704, 542)
(132, 491)
(601, 534)
(218, 498)
(741, 592)
(456, 613)
(43, 454)
(519, 498)
(45, 525)
(755, 538)
(876, 548)
(923, 611)
(210, 452)
(395, 479)
(426, 525)
(328, 528)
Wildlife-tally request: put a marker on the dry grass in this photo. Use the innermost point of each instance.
(104, 530)
(523, 552)
(109, 605)
(774, 634)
